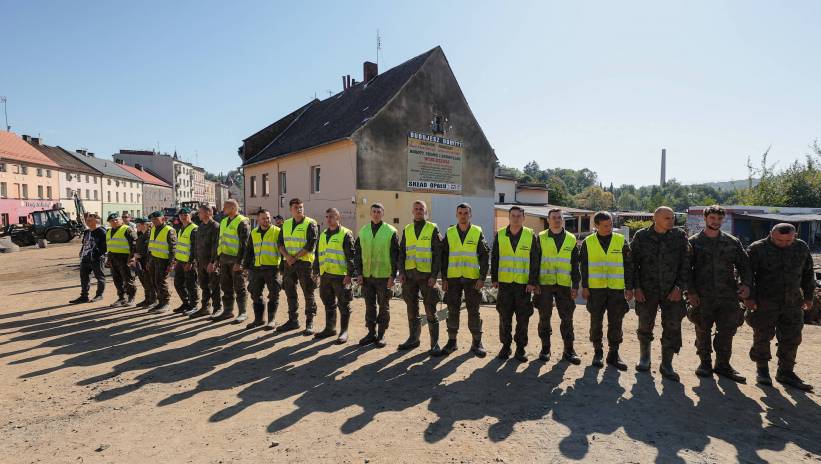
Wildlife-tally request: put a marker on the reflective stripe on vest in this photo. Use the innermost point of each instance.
(418, 251)
(514, 265)
(229, 238)
(555, 266)
(295, 238)
(266, 251)
(158, 242)
(332, 253)
(605, 270)
(376, 250)
(463, 258)
(183, 251)
(118, 243)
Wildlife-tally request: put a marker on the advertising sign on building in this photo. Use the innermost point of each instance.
(434, 163)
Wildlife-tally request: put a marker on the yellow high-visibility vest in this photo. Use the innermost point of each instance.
(463, 258)
(117, 243)
(332, 253)
(183, 251)
(158, 242)
(556, 266)
(376, 250)
(266, 252)
(605, 270)
(514, 265)
(229, 237)
(295, 238)
(418, 250)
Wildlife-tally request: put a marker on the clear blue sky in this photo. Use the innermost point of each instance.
(603, 85)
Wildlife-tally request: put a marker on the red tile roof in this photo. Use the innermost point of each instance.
(146, 177)
(12, 147)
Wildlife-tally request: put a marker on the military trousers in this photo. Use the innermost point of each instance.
(513, 301)
(544, 302)
(672, 312)
(121, 275)
(185, 282)
(457, 287)
(609, 302)
(785, 323)
(299, 274)
(377, 298)
(725, 315)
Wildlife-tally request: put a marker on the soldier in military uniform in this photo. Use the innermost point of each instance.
(419, 255)
(558, 281)
(335, 267)
(783, 286)
(717, 258)
(162, 244)
(207, 263)
(297, 244)
(262, 260)
(514, 270)
(465, 262)
(661, 263)
(233, 238)
(376, 253)
(139, 262)
(185, 271)
(120, 242)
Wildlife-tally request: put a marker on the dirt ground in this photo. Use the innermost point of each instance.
(89, 383)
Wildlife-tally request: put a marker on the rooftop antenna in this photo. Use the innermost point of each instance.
(378, 46)
(4, 101)
(329, 93)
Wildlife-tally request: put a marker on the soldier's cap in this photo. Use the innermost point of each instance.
(184, 211)
(155, 214)
(140, 220)
(113, 216)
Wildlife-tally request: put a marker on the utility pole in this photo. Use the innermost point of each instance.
(4, 100)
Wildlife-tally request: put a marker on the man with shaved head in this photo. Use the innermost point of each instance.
(661, 265)
(783, 286)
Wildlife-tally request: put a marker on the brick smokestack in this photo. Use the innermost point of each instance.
(369, 71)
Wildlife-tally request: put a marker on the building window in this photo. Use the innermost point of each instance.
(95, 179)
(253, 186)
(501, 198)
(39, 172)
(265, 187)
(116, 183)
(2, 167)
(108, 194)
(88, 194)
(282, 183)
(95, 194)
(5, 217)
(117, 196)
(68, 176)
(315, 179)
(132, 197)
(48, 173)
(4, 192)
(49, 193)
(109, 181)
(138, 198)
(24, 169)
(68, 192)
(40, 192)
(25, 190)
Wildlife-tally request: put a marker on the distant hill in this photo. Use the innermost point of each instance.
(730, 184)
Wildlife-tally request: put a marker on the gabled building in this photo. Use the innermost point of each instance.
(28, 180)
(157, 194)
(74, 178)
(121, 191)
(169, 168)
(406, 134)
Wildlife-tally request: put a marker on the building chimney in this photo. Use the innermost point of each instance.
(91, 154)
(35, 141)
(663, 167)
(118, 161)
(138, 166)
(26, 138)
(369, 71)
(81, 151)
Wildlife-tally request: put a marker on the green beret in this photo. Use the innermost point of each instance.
(113, 216)
(140, 220)
(155, 214)
(184, 211)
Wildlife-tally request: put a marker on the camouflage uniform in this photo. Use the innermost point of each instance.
(120, 271)
(713, 268)
(375, 290)
(141, 248)
(782, 279)
(416, 282)
(661, 262)
(158, 269)
(232, 283)
(205, 252)
(457, 286)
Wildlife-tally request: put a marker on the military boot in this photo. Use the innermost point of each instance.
(412, 342)
(477, 348)
(258, 321)
(179, 309)
(450, 346)
(569, 353)
(544, 354)
(666, 368)
(344, 319)
(520, 354)
(614, 359)
(292, 324)
(504, 353)
(762, 373)
(644, 357)
(724, 369)
(330, 325)
(380, 337)
(598, 356)
(705, 367)
(242, 316)
(309, 325)
(224, 313)
(433, 330)
(272, 310)
(205, 310)
(369, 338)
(788, 377)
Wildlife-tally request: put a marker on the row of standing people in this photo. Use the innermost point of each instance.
(702, 278)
